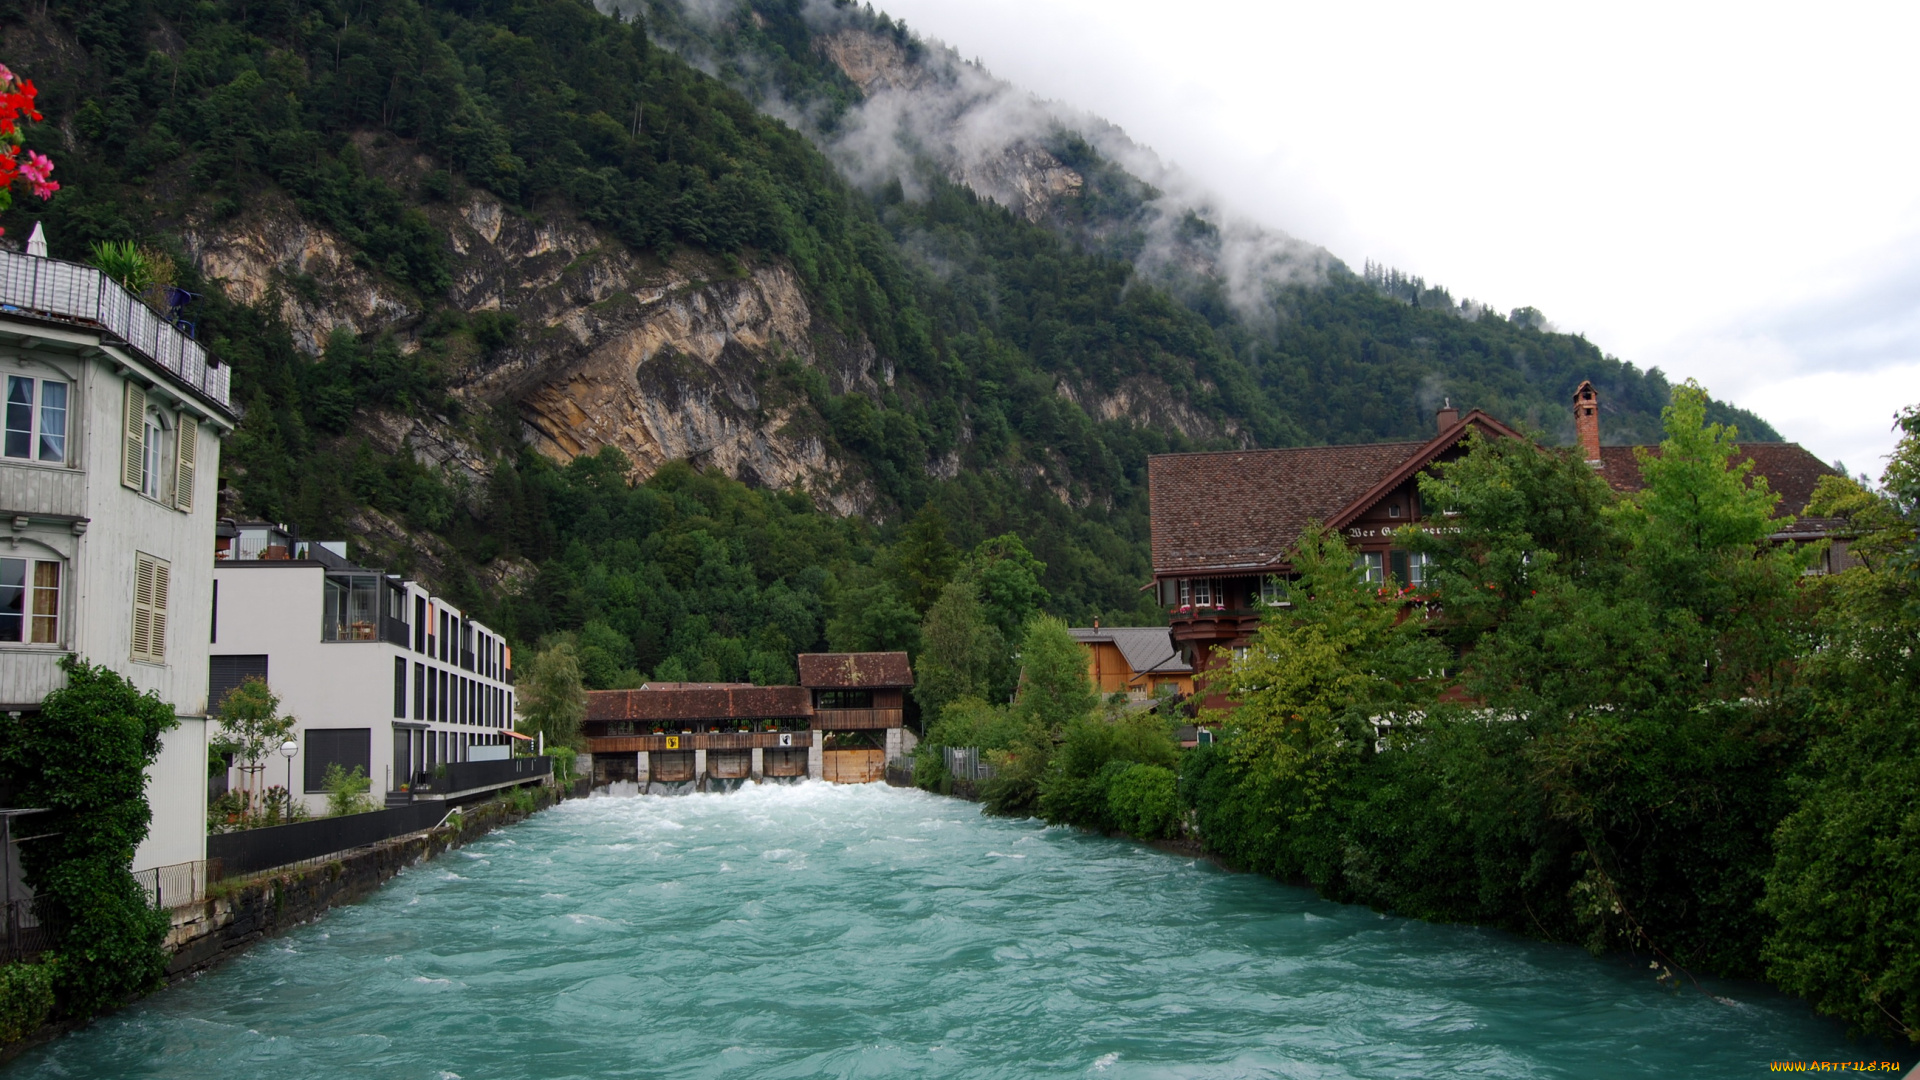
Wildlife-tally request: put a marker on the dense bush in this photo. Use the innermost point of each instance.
(26, 996)
(84, 758)
(1142, 801)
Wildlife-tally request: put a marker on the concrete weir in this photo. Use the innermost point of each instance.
(843, 723)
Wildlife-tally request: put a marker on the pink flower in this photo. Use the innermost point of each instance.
(6, 76)
(37, 168)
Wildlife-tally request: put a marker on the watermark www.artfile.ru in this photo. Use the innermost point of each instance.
(1834, 1066)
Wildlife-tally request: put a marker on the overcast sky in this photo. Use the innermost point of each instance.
(1730, 193)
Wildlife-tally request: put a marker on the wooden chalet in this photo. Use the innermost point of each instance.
(1223, 523)
(1138, 661)
(843, 723)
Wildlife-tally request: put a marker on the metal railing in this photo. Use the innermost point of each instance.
(463, 776)
(966, 763)
(240, 853)
(27, 934)
(53, 288)
(181, 883)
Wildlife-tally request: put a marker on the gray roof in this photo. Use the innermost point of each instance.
(1146, 648)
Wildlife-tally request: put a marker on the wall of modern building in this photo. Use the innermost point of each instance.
(336, 689)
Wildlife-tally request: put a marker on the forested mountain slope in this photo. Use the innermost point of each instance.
(480, 266)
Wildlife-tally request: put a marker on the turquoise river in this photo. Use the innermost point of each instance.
(819, 931)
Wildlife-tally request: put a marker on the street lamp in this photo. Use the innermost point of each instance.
(288, 749)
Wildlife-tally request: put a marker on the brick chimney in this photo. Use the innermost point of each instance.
(1447, 416)
(1586, 421)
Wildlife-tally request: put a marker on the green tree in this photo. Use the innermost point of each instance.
(870, 616)
(83, 757)
(923, 558)
(1844, 887)
(252, 730)
(552, 698)
(1007, 578)
(959, 650)
(1055, 689)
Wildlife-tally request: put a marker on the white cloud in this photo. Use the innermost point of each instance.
(1725, 190)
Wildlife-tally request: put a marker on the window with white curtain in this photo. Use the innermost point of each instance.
(36, 419)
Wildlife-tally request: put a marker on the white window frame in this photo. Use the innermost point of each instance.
(1417, 568)
(30, 595)
(36, 418)
(155, 483)
(1372, 566)
(1273, 591)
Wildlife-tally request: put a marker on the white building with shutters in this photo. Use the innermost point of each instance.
(113, 418)
(378, 673)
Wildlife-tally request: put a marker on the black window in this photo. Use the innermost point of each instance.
(419, 624)
(443, 635)
(446, 706)
(419, 691)
(345, 747)
(400, 686)
(433, 696)
(843, 699)
(224, 673)
(213, 633)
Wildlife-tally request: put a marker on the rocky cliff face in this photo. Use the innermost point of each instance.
(320, 285)
(691, 358)
(664, 361)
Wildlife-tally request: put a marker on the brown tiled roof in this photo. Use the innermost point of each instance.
(1244, 509)
(847, 670)
(1790, 470)
(699, 701)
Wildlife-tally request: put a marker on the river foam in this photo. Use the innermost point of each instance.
(821, 931)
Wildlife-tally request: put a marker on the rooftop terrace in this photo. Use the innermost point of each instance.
(58, 291)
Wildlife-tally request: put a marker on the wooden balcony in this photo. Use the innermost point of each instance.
(712, 740)
(856, 719)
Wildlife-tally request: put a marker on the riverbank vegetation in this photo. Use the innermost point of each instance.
(1629, 723)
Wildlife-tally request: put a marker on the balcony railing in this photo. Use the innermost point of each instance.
(707, 740)
(856, 719)
(55, 289)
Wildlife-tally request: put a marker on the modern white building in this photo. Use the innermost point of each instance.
(379, 673)
(109, 461)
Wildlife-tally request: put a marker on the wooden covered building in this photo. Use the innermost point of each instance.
(843, 723)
